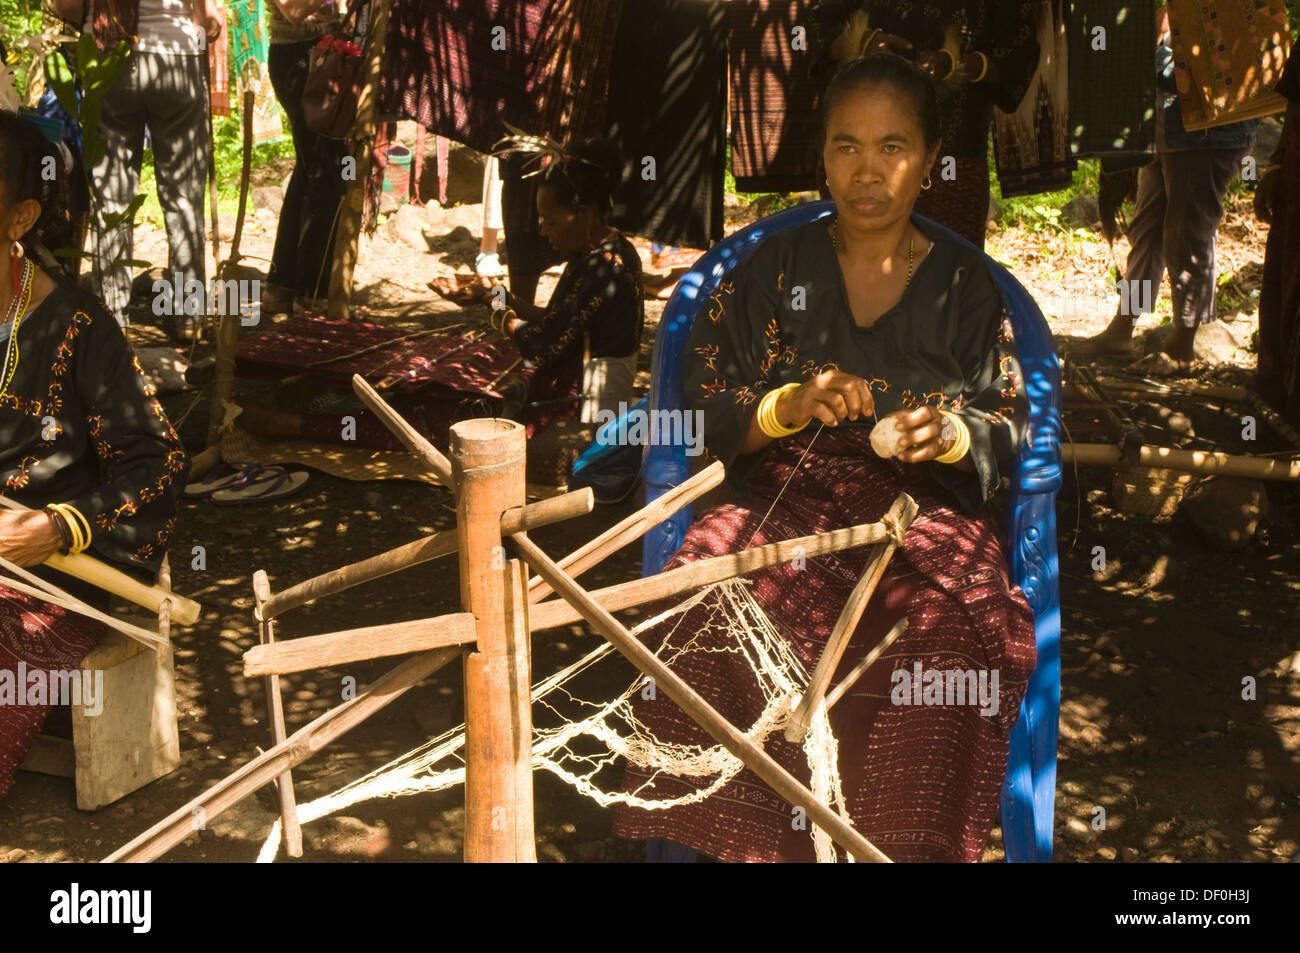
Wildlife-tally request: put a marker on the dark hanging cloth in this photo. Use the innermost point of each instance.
(1112, 90)
(1279, 297)
(775, 122)
(1032, 144)
(460, 67)
(79, 424)
(667, 100)
(1006, 33)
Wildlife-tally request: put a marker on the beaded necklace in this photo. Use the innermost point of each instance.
(17, 309)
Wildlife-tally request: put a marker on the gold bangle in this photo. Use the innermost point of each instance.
(961, 445)
(984, 71)
(766, 414)
(78, 526)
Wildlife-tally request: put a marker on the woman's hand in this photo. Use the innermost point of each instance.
(830, 397)
(926, 434)
(1266, 195)
(882, 42)
(938, 63)
(214, 20)
(28, 537)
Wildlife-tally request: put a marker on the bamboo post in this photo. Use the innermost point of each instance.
(275, 712)
(488, 472)
(363, 136)
(701, 712)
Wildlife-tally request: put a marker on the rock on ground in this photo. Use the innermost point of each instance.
(1226, 511)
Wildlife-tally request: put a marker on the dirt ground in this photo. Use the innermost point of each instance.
(1155, 647)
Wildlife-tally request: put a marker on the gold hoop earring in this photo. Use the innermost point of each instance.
(927, 183)
(16, 249)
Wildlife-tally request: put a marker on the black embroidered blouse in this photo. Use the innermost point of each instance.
(79, 424)
(598, 298)
(783, 316)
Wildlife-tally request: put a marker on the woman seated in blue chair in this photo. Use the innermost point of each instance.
(820, 333)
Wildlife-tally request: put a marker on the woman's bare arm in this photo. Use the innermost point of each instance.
(296, 11)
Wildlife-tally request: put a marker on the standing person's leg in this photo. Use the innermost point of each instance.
(1198, 182)
(116, 179)
(488, 263)
(530, 253)
(175, 91)
(304, 243)
(1146, 261)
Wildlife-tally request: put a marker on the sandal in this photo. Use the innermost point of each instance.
(221, 477)
(274, 483)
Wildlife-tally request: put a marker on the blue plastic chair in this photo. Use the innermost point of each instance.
(1028, 793)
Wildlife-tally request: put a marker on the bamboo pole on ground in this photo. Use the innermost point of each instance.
(269, 765)
(1192, 461)
(900, 514)
(347, 238)
(727, 734)
(275, 713)
(488, 472)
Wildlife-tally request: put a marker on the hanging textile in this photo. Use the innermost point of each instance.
(775, 123)
(219, 72)
(249, 49)
(667, 102)
(1112, 55)
(1032, 144)
(460, 67)
(1228, 56)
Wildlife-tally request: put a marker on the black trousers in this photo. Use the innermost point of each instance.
(304, 243)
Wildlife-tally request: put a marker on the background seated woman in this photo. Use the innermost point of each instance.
(583, 344)
(835, 326)
(83, 442)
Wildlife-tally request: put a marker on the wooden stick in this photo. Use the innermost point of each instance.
(48, 592)
(91, 570)
(518, 519)
(363, 137)
(336, 648)
(488, 460)
(275, 712)
(704, 572)
(1192, 461)
(836, 693)
(901, 513)
(700, 711)
(630, 529)
(403, 431)
(357, 645)
(377, 347)
(269, 765)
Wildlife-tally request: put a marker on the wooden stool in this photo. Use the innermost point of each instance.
(134, 738)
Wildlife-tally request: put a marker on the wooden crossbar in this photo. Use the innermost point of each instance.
(270, 764)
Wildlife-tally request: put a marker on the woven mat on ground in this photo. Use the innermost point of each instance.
(238, 446)
(439, 364)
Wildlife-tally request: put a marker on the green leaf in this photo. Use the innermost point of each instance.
(71, 253)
